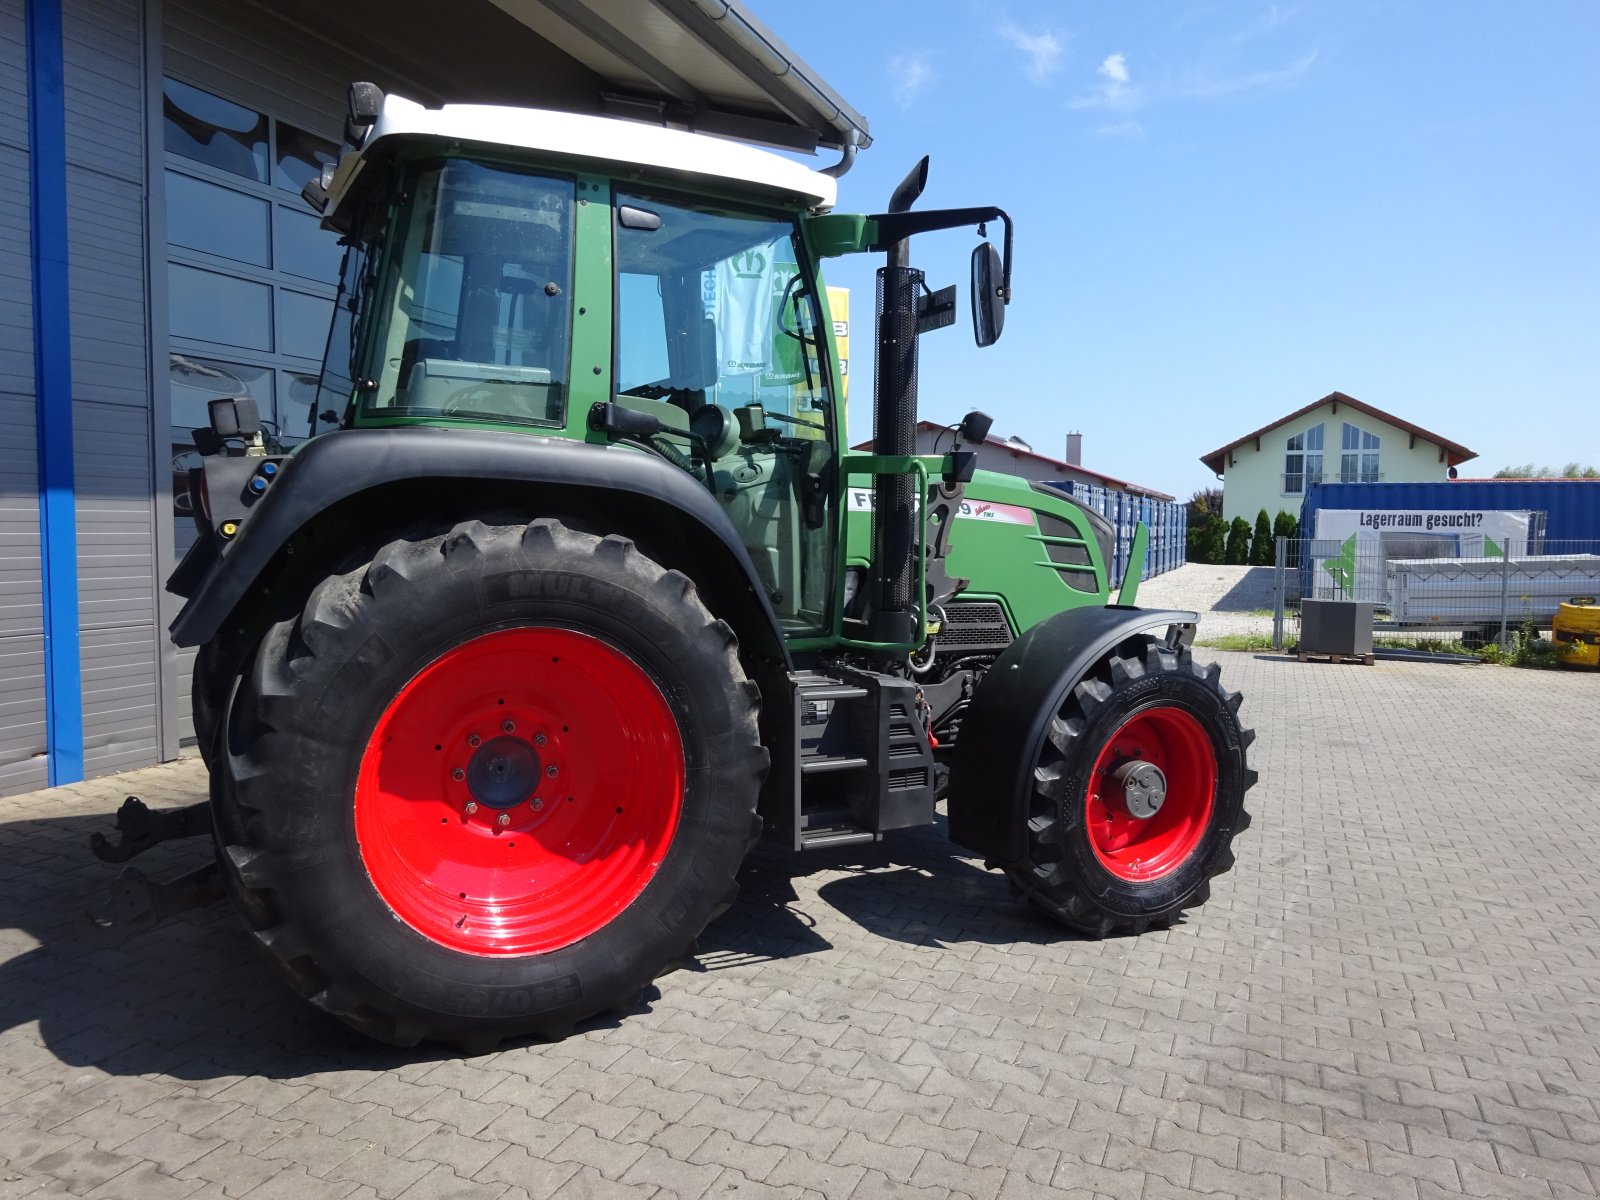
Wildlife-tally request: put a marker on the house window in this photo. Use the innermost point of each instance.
(1302, 464)
(1358, 459)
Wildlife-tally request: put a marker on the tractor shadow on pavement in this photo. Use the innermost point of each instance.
(194, 1000)
(191, 998)
(915, 887)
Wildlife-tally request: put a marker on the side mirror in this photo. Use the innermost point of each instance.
(364, 103)
(988, 295)
(234, 417)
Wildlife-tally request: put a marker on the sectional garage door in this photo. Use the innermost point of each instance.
(22, 733)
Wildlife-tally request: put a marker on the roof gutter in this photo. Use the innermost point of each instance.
(777, 70)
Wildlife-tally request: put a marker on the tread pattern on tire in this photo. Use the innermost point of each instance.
(267, 718)
(1047, 878)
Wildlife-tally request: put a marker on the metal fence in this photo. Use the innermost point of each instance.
(1449, 594)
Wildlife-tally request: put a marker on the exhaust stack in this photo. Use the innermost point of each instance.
(894, 427)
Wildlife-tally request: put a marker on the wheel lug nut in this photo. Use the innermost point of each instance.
(503, 819)
(509, 727)
(473, 739)
(458, 774)
(472, 807)
(537, 805)
(551, 771)
(539, 739)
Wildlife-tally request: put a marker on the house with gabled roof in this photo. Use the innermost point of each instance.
(1337, 439)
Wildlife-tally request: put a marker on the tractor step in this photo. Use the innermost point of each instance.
(813, 766)
(822, 839)
(813, 819)
(822, 827)
(862, 762)
(832, 691)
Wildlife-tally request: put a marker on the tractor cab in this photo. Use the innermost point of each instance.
(557, 275)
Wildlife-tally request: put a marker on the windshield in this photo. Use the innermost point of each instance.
(714, 304)
(475, 316)
(717, 318)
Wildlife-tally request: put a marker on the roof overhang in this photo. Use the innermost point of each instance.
(1454, 452)
(703, 65)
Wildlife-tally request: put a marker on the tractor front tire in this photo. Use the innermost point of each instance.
(1137, 792)
(488, 784)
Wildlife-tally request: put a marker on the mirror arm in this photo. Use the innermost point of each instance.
(896, 226)
(1005, 268)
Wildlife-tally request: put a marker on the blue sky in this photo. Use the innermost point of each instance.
(1225, 211)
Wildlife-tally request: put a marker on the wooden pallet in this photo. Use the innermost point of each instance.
(1365, 660)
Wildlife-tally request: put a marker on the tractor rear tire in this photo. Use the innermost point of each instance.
(1098, 858)
(216, 665)
(489, 784)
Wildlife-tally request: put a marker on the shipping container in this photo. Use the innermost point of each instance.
(1571, 507)
(1559, 516)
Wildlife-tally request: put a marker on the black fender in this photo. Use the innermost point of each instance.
(358, 469)
(1004, 728)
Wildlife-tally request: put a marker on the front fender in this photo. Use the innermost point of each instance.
(338, 467)
(1001, 733)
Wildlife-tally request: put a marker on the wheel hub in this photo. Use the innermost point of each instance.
(1151, 794)
(1144, 788)
(504, 772)
(520, 791)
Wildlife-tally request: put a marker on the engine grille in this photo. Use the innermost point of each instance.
(973, 626)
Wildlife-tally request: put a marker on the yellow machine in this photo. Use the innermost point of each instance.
(1577, 633)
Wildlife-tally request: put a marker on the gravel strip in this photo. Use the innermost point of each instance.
(1230, 600)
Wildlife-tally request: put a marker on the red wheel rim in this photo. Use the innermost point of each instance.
(545, 827)
(1143, 849)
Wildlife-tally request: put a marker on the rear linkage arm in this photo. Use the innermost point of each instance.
(137, 902)
(142, 827)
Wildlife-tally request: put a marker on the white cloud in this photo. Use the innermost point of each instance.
(1117, 91)
(910, 75)
(1128, 127)
(1041, 52)
(1271, 19)
(1210, 87)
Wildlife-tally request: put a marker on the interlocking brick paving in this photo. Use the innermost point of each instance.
(1395, 994)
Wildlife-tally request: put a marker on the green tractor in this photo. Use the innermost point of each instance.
(577, 593)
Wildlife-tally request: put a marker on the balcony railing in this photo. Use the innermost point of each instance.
(1296, 483)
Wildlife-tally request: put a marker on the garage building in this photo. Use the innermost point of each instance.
(155, 254)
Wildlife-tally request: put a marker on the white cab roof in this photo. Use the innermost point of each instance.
(609, 143)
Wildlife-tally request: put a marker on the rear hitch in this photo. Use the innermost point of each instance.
(138, 903)
(142, 827)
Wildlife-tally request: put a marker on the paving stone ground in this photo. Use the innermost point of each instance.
(1395, 994)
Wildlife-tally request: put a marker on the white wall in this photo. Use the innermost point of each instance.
(1253, 480)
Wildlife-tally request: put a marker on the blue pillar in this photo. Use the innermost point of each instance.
(52, 367)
